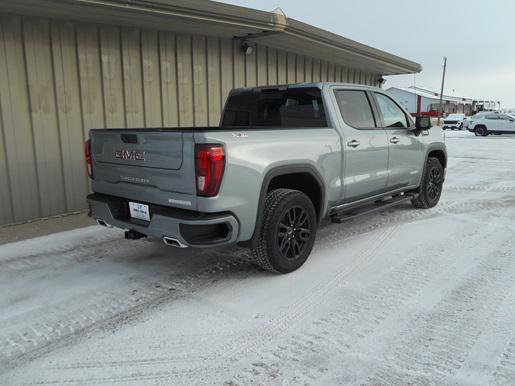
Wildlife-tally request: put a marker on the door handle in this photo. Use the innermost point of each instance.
(394, 140)
(353, 143)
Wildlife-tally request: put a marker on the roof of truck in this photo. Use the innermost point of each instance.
(319, 85)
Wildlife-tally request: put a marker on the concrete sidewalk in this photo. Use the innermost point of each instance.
(43, 227)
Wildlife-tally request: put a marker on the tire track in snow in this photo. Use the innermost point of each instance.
(434, 346)
(107, 310)
(219, 362)
(349, 320)
(505, 371)
(481, 188)
(34, 340)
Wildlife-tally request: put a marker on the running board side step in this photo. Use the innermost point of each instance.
(352, 213)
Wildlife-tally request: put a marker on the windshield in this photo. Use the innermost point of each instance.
(456, 116)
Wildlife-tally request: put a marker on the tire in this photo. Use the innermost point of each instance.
(280, 247)
(431, 186)
(482, 131)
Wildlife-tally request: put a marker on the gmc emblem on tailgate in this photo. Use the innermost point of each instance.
(130, 155)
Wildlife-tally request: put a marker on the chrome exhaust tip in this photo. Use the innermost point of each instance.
(170, 241)
(103, 223)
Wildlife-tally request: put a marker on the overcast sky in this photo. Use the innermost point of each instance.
(478, 38)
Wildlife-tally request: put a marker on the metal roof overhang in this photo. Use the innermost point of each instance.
(222, 20)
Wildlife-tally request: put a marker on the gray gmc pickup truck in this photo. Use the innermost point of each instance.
(282, 159)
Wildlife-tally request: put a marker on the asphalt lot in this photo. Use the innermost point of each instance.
(402, 296)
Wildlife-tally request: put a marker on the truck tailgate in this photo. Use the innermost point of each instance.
(147, 165)
(159, 150)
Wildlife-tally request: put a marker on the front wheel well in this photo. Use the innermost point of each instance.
(440, 155)
(304, 182)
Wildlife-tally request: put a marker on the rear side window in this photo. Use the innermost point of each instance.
(301, 107)
(393, 116)
(355, 109)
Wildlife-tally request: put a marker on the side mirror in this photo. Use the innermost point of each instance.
(422, 123)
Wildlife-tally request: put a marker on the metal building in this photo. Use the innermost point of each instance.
(67, 66)
(422, 101)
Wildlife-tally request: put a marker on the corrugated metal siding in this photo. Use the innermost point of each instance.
(58, 79)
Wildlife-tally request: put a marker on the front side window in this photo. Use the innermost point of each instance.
(492, 116)
(301, 107)
(355, 109)
(393, 116)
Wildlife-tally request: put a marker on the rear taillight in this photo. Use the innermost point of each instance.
(88, 158)
(209, 168)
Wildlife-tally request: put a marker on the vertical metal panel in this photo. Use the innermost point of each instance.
(69, 114)
(345, 75)
(272, 66)
(214, 90)
(132, 79)
(90, 77)
(323, 71)
(262, 68)
(316, 70)
(151, 78)
(184, 78)
(16, 123)
(239, 65)
(227, 65)
(337, 73)
(199, 80)
(49, 162)
(291, 74)
(351, 75)
(112, 77)
(330, 72)
(251, 70)
(60, 79)
(300, 68)
(6, 210)
(308, 69)
(169, 89)
(281, 67)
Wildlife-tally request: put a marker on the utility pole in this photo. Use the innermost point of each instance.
(441, 90)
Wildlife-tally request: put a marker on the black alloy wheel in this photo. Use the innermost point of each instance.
(482, 131)
(431, 186)
(434, 184)
(287, 233)
(293, 233)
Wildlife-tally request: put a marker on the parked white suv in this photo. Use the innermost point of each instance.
(453, 121)
(493, 123)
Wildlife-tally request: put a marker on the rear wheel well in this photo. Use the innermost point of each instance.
(302, 181)
(440, 155)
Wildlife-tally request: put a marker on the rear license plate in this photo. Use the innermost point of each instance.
(139, 211)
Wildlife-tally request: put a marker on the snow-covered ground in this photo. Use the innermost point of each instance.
(402, 296)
